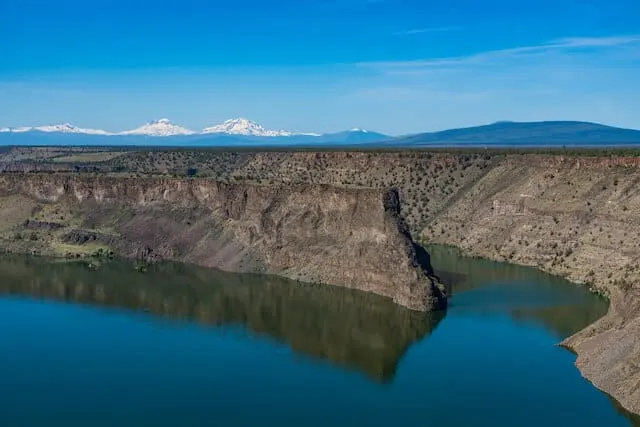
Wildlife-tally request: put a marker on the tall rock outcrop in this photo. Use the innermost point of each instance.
(354, 238)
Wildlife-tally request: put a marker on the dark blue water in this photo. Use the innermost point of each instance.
(191, 347)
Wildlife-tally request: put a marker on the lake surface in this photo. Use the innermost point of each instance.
(182, 345)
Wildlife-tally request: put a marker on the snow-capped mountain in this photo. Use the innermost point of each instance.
(19, 129)
(246, 127)
(62, 127)
(162, 127)
(239, 129)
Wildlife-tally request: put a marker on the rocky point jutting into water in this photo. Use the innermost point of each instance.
(354, 238)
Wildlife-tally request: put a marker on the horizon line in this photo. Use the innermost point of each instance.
(284, 133)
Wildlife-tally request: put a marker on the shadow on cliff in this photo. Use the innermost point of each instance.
(350, 328)
(419, 255)
(634, 419)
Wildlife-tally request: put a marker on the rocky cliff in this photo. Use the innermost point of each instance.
(313, 233)
(572, 216)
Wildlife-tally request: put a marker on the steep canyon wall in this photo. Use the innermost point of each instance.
(354, 238)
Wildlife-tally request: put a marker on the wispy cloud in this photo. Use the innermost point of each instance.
(596, 41)
(426, 30)
(573, 78)
(494, 56)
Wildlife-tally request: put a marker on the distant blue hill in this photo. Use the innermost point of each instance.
(354, 137)
(526, 133)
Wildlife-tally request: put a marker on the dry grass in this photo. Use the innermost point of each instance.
(14, 210)
(103, 156)
(59, 248)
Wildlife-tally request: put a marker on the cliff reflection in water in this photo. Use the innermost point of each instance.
(525, 293)
(351, 328)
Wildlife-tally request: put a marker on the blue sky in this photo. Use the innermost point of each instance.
(397, 66)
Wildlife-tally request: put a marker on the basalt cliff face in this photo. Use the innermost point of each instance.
(354, 238)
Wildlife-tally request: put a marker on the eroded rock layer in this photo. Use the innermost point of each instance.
(313, 233)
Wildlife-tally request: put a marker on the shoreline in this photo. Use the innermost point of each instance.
(578, 343)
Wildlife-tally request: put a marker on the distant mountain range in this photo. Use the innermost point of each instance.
(61, 128)
(244, 132)
(164, 127)
(238, 131)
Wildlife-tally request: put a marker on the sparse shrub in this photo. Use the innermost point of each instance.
(623, 284)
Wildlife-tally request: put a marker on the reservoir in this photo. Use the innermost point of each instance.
(180, 345)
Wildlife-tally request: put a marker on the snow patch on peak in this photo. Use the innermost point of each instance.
(69, 128)
(359, 130)
(21, 129)
(62, 128)
(161, 127)
(243, 126)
